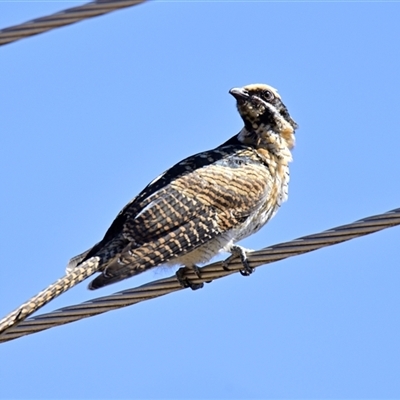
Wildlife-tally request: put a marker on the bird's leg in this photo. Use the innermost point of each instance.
(196, 270)
(185, 281)
(242, 253)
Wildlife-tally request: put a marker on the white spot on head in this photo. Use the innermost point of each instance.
(262, 86)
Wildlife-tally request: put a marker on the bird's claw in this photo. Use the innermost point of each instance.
(247, 270)
(185, 282)
(241, 252)
(225, 264)
(196, 270)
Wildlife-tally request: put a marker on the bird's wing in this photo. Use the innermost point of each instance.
(189, 212)
(136, 205)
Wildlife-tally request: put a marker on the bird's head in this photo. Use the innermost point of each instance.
(262, 110)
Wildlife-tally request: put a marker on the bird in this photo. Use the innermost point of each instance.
(201, 206)
(207, 202)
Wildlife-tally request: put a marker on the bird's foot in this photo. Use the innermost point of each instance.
(185, 282)
(242, 253)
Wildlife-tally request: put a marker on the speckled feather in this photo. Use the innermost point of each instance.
(200, 206)
(207, 202)
(203, 203)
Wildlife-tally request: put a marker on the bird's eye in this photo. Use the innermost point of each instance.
(268, 95)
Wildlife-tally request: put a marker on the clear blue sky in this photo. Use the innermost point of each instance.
(92, 112)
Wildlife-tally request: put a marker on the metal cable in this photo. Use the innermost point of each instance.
(62, 18)
(210, 272)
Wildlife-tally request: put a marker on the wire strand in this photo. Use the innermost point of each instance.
(62, 18)
(210, 272)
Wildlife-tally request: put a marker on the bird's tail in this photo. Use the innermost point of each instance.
(103, 280)
(131, 266)
(75, 261)
(72, 278)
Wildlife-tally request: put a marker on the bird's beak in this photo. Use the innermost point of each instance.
(239, 94)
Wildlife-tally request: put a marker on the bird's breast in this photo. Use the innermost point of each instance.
(277, 193)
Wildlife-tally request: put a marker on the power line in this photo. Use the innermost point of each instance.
(169, 285)
(62, 18)
(210, 272)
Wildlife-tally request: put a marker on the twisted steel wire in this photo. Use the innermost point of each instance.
(208, 273)
(62, 18)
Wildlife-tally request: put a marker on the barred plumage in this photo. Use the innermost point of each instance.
(207, 202)
(202, 205)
